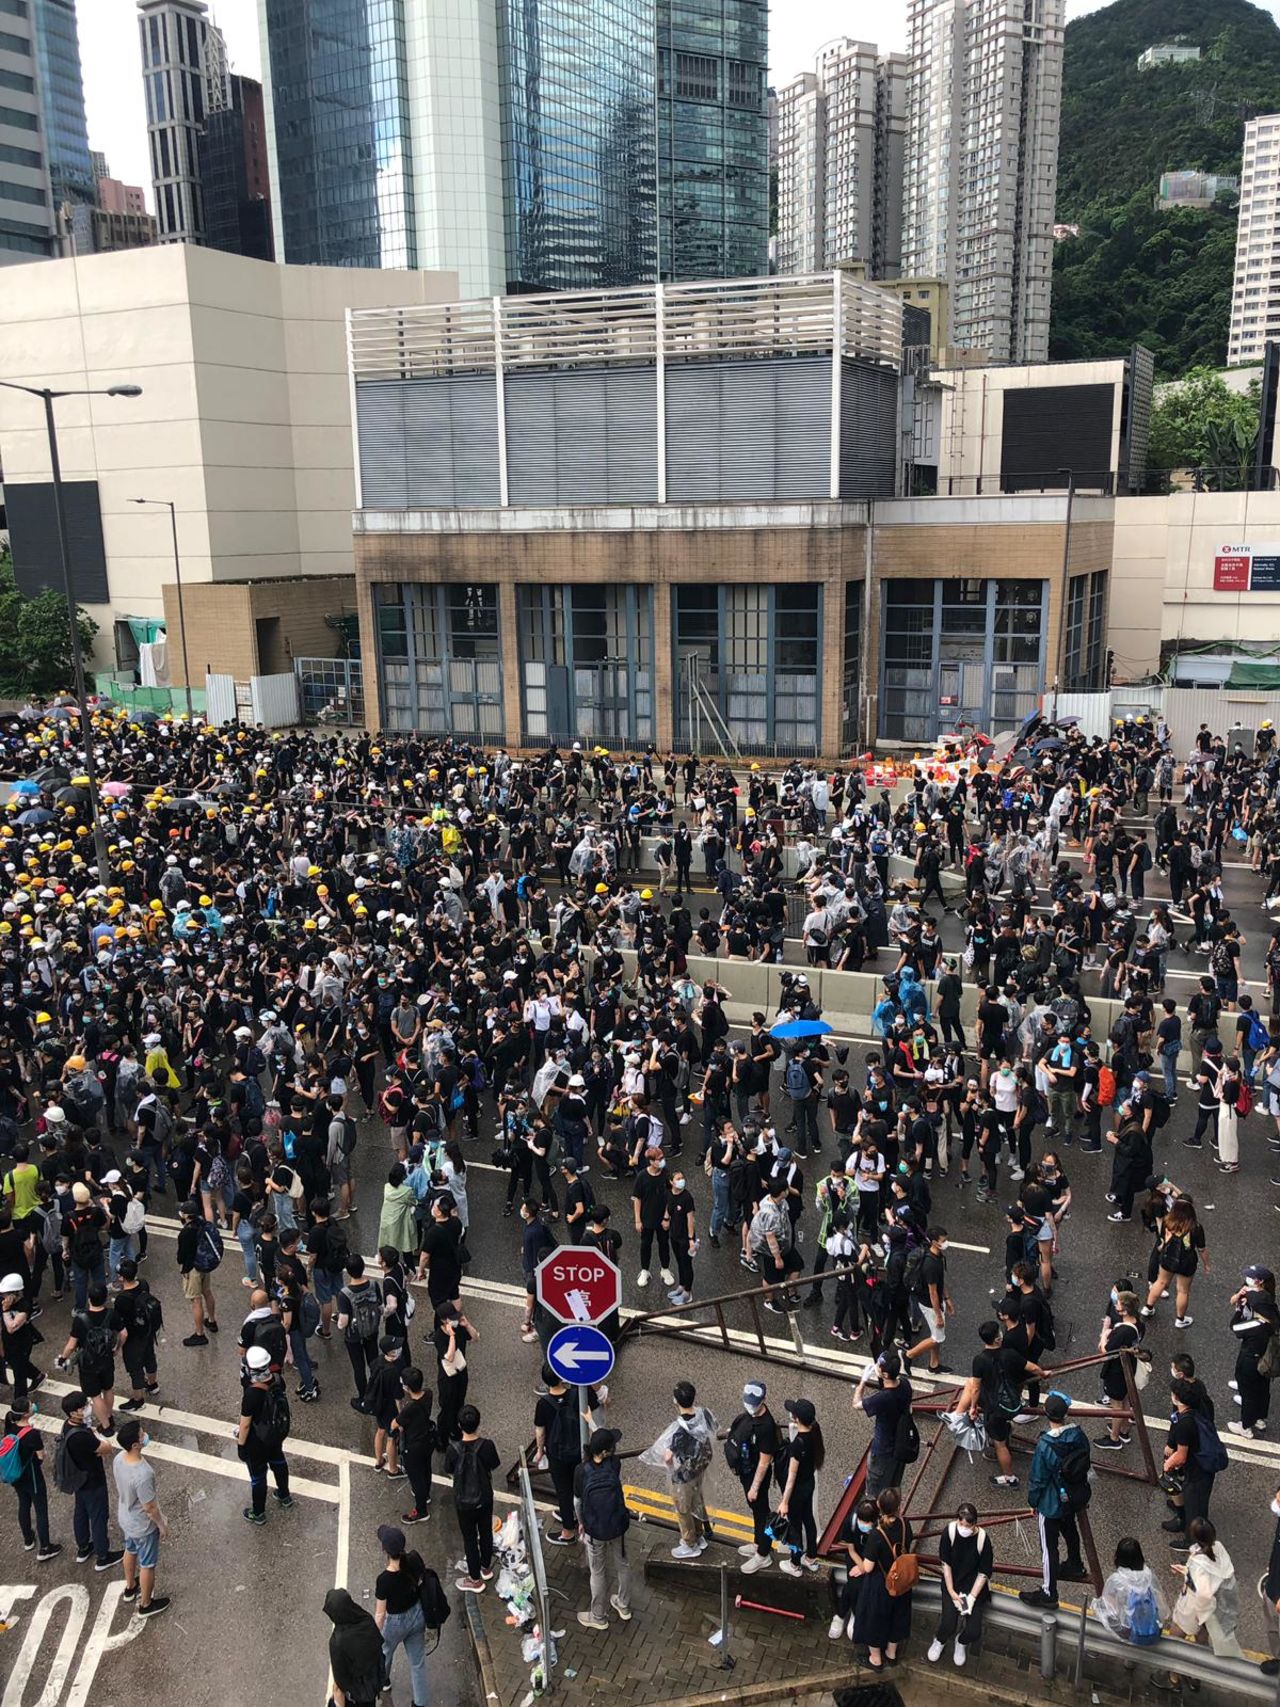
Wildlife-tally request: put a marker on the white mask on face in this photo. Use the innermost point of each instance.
(1275, 1506)
(964, 1529)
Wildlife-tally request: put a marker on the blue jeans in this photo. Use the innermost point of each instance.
(1169, 1066)
(301, 1358)
(83, 1278)
(152, 1156)
(117, 1251)
(721, 1207)
(248, 1249)
(407, 1627)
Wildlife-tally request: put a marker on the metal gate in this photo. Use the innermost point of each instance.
(330, 690)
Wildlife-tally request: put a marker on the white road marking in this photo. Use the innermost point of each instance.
(55, 1677)
(101, 1641)
(342, 1574)
(228, 1469)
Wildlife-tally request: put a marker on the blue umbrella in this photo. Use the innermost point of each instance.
(36, 815)
(29, 786)
(800, 1028)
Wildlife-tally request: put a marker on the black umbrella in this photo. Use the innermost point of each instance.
(52, 773)
(1067, 722)
(1050, 744)
(1028, 724)
(72, 796)
(144, 717)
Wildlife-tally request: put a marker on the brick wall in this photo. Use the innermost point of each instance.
(223, 617)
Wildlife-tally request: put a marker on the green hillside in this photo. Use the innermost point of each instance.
(1135, 274)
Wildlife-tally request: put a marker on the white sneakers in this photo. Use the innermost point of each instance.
(642, 1279)
(789, 1568)
(836, 1629)
(682, 1552)
(758, 1562)
(668, 1279)
(747, 1549)
(958, 1654)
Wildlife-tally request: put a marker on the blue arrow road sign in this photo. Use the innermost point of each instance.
(581, 1355)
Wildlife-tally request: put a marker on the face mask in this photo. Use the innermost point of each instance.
(678, 1184)
(1115, 1296)
(144, 1440)
(864, 1528)
(964, 1529)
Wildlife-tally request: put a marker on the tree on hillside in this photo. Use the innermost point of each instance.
(1201, 423)
(35, 640)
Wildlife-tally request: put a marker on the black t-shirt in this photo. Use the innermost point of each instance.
(651, 1192)
(933, 1275)
(989, 1366)
(397, 1589)
(1184, 1432)
(679, 1208)
(761, 1438)
(440, 1245)
(800, 1452)
(82, 1448)
(417, 1432)
(994, 1017)
(884, 1408)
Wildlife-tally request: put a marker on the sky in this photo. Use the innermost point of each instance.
(113, 76)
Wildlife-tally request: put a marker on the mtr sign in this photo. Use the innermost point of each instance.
(578, 1284)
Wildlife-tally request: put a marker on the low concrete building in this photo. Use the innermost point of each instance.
(244, 423)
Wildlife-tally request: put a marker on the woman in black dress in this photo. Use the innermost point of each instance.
(880, 1619)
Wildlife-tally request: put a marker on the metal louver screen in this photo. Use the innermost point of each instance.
(868, 431)
(582, 437)
(429, 444)
(748, 430)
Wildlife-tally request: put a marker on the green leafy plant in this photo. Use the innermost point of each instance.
(35, 640)
(1201, 423)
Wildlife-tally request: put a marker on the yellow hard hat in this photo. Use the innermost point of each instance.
(43, 1018)
(157, 906)
(602, 888)
(322, 888)
(308, 924)
(646, 894)
(313, 871)
(115, 890)
(362, 912)
(206, 901)
(77, 1063)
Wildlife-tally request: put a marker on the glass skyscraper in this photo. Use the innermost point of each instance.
(713, 138)
(62, 97)
(533, 145)
(578, 143)
(342, 135)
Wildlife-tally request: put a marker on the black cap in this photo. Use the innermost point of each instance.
(603, 1440)
(802, 1410)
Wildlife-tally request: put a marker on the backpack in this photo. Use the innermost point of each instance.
(1142, 1618)
(564, 1437)
(739, 1449)
(68, 1477)
(366, 1312)
(12, 1469)
(1222, 961)
(471, 1487)
(604, 1508)
(1106, 1087)
(1210, 1454)
(1209, 1011)
(906, 1445)
(349, 1135)
(134, 1218)
(1073, 1476)
(208, 1249)
(98, 1341)
(796, 1079)
(336, 1249)
(911, 1271)
(431, 1597)
(1161, 1109)
(86, 1245)
(1258, 1037)
(1244, 1099)
(904, 1573)
(1031, 1242)
(270, 1428)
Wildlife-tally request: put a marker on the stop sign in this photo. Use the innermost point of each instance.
(578, 1284)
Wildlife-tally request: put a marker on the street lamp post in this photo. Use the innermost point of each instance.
(48, 398)
(168, 504)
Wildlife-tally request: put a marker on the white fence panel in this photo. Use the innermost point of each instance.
(220, 698)
(274, 700)
(1093, 710)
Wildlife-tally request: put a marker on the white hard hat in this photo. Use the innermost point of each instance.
(257, 1358)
